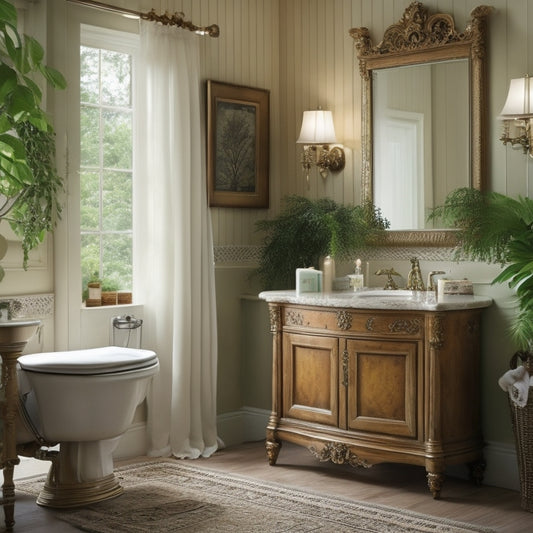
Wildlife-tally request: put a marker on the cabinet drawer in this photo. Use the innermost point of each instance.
(392, 324)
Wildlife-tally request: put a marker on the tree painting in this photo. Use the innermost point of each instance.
(235, 140)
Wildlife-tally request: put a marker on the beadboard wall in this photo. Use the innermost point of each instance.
(300, 50)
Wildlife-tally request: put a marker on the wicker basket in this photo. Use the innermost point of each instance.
(522, 419)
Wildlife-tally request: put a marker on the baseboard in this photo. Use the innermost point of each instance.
(133, 443)
(502, 466)
(501, 470)
(248, 424)
(245, 425)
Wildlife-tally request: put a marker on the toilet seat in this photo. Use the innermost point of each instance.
(93, 361)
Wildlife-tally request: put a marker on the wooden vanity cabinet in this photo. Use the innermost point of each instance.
(369, 386)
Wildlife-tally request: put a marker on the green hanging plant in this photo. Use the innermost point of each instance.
(495, 228)
(307, 230)
(29, 183)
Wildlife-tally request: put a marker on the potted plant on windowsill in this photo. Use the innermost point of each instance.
(308, 230)
(496, 228)
(29, 183)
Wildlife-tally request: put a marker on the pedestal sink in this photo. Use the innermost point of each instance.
(14, 334)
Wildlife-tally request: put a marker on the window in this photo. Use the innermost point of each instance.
(106, 158)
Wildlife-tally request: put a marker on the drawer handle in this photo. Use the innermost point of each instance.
(345, 357)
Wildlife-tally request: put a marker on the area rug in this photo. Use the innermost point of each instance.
(171, 495)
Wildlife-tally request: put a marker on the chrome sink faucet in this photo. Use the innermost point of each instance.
(414, 278)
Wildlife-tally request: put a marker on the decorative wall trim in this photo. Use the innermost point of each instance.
(250, 254)
(393, 253)
(245, 254)
(30, 305)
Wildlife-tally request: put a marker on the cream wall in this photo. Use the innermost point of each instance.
(300, 50)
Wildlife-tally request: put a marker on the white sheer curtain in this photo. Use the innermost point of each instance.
(173, 252)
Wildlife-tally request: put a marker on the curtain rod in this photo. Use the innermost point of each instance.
(176, 19)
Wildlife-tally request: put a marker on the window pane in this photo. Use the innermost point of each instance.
(90, 137)
(116, 200)
(106, 173)
(90, 257)
(116, 78)
(89, 81)
(117, 260)
(117, 142)
(89, 201)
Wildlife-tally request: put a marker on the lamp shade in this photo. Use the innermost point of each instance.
(519, 103)
(317, 128)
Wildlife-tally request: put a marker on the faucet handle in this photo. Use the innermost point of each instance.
(430, 285)
(389, 272)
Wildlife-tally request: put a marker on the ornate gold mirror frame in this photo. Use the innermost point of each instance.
(420, 37)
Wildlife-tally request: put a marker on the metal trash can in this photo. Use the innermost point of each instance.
(126, 331)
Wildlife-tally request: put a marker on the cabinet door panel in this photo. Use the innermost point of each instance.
(310, 378)
(382, 387)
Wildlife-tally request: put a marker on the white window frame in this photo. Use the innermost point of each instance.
(116, 41)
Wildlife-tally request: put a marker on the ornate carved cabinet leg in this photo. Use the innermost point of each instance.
(13, 338)
(272, 449)
(477, 471)
(435, 482)
(8, 496)
(9, 455)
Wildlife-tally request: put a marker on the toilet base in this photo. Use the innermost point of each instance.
(64, 495)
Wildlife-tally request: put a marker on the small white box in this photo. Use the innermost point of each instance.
(454, 286)
(308, 280)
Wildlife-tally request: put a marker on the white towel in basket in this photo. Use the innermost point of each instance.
(516, 382)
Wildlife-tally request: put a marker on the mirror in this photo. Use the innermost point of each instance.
(423, 118)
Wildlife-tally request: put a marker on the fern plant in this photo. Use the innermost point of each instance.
(307, 230)
(495, 228)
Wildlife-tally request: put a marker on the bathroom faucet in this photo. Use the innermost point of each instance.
(389, 272)
(430, 284)
(414, 278)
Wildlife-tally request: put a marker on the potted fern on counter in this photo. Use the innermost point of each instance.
(496, 228)
(307, 230)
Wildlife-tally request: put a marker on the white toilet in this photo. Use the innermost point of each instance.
(84, 400)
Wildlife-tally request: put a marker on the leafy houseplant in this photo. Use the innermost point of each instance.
(29, 183)
(499, 229)
(309, 229)
(495, 228)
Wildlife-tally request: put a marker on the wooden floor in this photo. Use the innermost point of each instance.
(400, 486)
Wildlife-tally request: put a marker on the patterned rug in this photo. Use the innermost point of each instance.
(172, 495)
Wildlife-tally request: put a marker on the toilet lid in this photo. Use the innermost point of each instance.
(92, 361)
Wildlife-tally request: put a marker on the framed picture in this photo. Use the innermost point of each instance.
(237, 145)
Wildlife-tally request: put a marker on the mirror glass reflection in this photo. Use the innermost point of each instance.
(421, 139)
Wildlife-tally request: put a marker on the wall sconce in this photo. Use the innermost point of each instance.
(517, 114)
(316, 135)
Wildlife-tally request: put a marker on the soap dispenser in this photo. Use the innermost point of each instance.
(357, 280)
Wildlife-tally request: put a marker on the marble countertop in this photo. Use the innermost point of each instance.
(380, 299)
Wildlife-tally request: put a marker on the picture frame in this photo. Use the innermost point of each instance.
(237, 145)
